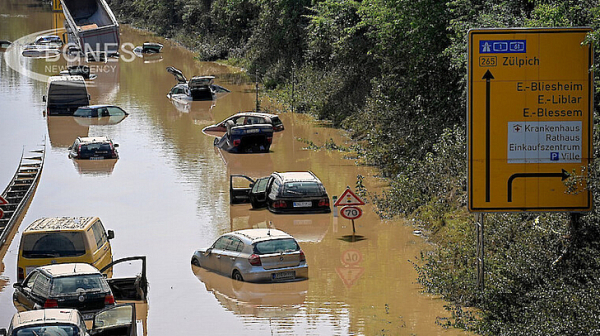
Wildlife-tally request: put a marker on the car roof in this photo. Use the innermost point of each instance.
(254, 235)
(254, 114)
(58, 270)
(97, 139)
(298, 176)
(66, 78)
(97, 106)
(60, 223)
(45, 316)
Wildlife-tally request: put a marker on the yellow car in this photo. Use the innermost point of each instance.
(59, 240)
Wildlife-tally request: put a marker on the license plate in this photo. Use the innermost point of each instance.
(284, 275)
(97, 158)
(253, 130)
(302, 204)
(88, 316)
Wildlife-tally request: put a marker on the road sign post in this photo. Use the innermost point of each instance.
(348, 200)
(530, 111)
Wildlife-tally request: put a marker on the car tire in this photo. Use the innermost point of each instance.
(195, 262)
(236, 275)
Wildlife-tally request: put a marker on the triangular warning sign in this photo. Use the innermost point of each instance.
(349, 198)
(349, 275)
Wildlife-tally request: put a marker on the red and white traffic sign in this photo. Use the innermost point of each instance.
(351, 212)
(349, 198)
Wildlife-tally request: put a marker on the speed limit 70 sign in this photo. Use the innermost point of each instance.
(351, 212)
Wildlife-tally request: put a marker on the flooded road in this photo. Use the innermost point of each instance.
(168, 195)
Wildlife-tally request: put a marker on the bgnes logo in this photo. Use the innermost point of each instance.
(22, 52)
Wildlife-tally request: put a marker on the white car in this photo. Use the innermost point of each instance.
(255, 255)
(117, 320)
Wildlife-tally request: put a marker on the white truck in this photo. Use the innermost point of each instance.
(91, 26)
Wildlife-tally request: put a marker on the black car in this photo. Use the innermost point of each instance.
(246, 138)
(289, 192)
(78, 285)
(93, 148)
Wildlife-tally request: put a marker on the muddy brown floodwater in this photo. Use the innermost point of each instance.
(167, 195)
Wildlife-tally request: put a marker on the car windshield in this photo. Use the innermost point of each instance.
(68, 285)
(48, 330)
(276, 246)
(306, 188)
(51, 245)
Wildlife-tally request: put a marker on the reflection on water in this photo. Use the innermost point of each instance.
(63, 130)
(263, 300)
(95, 167)
(169, 195)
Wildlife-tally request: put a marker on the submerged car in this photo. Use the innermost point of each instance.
(148, 48)
(80, 286)
(289, 192)
(197, 88)
(247, 118)
(98, 111)
(256, 138)
(43, 46)
(93, 148)
(255, 255)
(117, 320)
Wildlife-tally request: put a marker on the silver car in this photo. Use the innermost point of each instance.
(255, 255)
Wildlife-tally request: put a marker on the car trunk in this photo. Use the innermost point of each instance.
(83, 301)
(178, 75)
(280, 260)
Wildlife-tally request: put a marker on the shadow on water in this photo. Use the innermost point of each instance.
(352, 238)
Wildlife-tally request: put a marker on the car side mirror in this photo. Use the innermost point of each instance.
(208, 251)
(111, 234)
(17, 285)
(44, 98)
(116, 145)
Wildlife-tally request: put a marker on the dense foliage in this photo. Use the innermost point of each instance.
(393, 72)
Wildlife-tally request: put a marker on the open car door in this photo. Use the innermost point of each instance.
(238, 192)
(118, 320)
(258, 193)
(131, 288)
(178, 75)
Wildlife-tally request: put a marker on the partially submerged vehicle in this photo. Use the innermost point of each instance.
(91, 25)
(148, 48)
(65, 94)
(253, 138)
(254, 255)
(93, 148)
(43, 46)
(246, 118)
(289, 192)
(79, 286)
(197, 88)
(116, 320)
